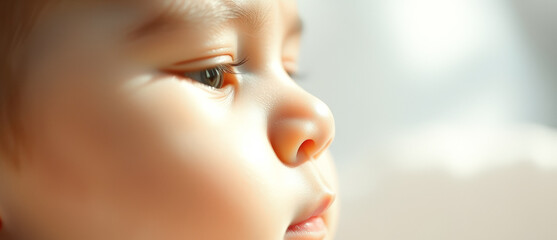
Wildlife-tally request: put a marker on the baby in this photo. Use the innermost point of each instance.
(160, 120)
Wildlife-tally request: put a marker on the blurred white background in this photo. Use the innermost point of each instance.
(445, 114)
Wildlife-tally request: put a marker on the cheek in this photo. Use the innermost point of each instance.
(223, 171)
(164, 158)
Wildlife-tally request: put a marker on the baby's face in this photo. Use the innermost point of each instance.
(144, 122)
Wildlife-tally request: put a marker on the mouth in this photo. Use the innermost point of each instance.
(313, 227)
(310, 229)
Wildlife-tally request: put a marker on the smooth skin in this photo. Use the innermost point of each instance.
(122, 143)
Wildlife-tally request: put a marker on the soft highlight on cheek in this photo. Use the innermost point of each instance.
(176, 104)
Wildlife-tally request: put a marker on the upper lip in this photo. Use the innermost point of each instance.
(316, 210)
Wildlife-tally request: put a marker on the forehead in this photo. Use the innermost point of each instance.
(210, 13)
(103, 22)
(207, 14)
(143, 17)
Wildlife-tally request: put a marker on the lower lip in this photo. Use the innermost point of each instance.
(313, 228)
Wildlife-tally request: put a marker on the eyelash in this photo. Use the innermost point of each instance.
(218, 71)
(230, 67)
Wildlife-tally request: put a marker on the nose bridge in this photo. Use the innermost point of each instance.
(300, 126)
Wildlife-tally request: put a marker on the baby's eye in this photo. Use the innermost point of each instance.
(212, 77)
(215, 77)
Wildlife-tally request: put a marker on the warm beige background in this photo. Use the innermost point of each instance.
(446, 115)
(443, 185)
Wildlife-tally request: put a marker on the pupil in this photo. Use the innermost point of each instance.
(212, 76)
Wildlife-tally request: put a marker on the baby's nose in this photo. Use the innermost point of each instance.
(300, 126)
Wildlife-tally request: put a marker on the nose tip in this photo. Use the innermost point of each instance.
(301, 128)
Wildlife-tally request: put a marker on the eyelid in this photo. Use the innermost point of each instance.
(200, 64)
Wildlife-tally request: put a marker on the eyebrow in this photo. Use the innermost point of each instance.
(192, 13)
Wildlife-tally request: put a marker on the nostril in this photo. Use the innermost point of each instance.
(318, 152)
(305, 151)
